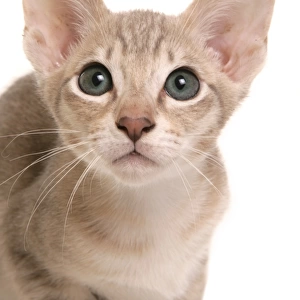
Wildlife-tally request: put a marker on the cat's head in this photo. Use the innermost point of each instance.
(145, 91)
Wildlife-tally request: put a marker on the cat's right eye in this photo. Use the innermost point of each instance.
(95, 80)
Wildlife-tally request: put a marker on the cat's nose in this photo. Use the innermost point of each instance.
(135, 128)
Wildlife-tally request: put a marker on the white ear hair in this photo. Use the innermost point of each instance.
(236, 29)
(52, 27)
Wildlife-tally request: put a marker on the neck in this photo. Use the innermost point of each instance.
(102, 200)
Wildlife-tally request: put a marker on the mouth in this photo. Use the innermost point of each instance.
(134, 158)
(134, 168)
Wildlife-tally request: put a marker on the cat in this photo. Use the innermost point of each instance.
(111, 179)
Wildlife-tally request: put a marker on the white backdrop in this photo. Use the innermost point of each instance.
(256, 251)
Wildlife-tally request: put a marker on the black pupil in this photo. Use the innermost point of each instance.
(180, 82)
(98, 78)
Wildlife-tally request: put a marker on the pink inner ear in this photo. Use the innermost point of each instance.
(231, 51)
(59, 42)
(241, 52)
(49, 33)
(220, 46)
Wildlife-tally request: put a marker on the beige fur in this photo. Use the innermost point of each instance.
(82, 222)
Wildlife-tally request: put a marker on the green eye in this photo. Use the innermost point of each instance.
(182, 85)
(95, 80)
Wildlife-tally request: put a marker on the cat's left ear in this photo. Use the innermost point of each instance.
(52, 27)
(236, 30)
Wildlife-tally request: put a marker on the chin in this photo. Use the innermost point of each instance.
(135, 169)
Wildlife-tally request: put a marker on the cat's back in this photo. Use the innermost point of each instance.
(23, 119)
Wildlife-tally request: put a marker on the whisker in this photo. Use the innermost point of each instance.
(209, 156)
(198, 171)
(93, 177)
(40, 200)
(95, 171)
(40, 131)
(70, 142)
(64, 167)
(45, 157)
(181, 173)
(80, 10)
(34, 154)
(59, 171)
(81, 178)
(54, 172)
(186, 186)
(40, 160)
(202, 136)
(34, 132)
(43, 152)
(185, 25)
(69, 204)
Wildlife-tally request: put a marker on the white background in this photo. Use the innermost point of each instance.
(255, 254)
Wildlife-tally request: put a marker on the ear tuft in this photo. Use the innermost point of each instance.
(52, 27)
(236, 30)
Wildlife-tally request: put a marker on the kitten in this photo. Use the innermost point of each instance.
(114, 185)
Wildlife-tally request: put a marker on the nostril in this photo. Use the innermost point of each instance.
(121, 127)
(134, 128)
(148, 129)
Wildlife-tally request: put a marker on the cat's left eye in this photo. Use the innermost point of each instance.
(182, 85)
(95, 80)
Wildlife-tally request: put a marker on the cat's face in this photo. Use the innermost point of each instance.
(138, 117)
(144, 94)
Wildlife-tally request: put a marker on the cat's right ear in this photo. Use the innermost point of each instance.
(53, 27)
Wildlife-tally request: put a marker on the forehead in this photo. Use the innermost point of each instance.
(146, 37)
(144, 31)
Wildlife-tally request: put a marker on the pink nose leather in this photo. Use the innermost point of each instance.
(134, 128)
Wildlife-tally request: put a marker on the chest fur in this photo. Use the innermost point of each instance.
(153, 255)
(160, 266)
